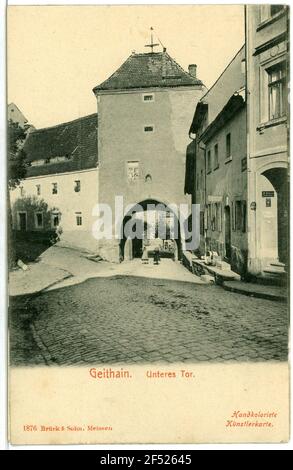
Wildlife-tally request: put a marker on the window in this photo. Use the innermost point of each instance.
(202, 222)
(209, 221)
(218, 223)
(277, 90)
(54, 188)
(21, 191)
(148, 178)
(243, 216)
(148, 98)
(238, 215)
(269, 12)
(209, 162)
(39, 221)
(228, 147)
(274, 9)
(233, 216)
(38, 188)
(213, 217)
(132, 171)
(149, 129)
(216, 157)
(77, 186)
(55, 218)
(78, 218)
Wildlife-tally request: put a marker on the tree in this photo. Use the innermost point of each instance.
(16, 170)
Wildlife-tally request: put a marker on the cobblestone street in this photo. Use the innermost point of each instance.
(136, 319)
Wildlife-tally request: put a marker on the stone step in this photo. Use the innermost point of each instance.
(223, 265)
(208, 279)
(267, 278)
(275, 271)
(279, 264)
(220, 275)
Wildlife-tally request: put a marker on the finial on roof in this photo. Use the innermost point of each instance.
(152, 44)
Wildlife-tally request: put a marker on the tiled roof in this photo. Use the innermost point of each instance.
(155, 69)
(76, 140)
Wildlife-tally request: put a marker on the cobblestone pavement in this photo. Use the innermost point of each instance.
(132, 319)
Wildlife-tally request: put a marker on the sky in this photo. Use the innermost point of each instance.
(57, 54)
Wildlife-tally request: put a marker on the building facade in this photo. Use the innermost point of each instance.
(237, 164)
(61, 187)
(134, 147)
(268, 124)
(216, 170)
(15, 115)
(144, 109)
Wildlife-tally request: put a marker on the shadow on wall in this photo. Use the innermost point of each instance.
(35, 228)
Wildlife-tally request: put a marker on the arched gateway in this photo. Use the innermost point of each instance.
(144, 113)
(148, 224)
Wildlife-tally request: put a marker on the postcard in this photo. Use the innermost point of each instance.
(148, 224)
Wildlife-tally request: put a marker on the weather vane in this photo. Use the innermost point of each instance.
(152, 44)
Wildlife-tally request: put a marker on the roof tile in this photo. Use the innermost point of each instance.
(154, 69)
(76, 140)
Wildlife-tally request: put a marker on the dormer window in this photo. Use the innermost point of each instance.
(37, 162)
(58, 159)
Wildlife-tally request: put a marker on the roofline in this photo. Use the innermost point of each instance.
(234, 57)
(63, 123)
(94, 168)
(236, 102)
(99, 87)
(156, 87)
(204, 106)
(18, 110)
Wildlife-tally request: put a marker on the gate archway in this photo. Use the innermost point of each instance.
(132, 247)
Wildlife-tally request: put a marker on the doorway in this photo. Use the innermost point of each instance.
(274, 214)
(227, 233)
(22, 221)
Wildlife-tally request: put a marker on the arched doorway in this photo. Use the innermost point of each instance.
(273, 210)
(132, 246)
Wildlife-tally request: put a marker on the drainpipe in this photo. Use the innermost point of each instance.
(205, 186)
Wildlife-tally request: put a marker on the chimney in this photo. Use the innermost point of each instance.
(192, 70)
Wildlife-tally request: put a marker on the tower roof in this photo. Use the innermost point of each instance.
(154, 69)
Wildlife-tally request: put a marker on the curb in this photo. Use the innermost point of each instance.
(67, 276)
(259, 295)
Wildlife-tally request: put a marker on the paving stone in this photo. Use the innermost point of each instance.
(189, 323)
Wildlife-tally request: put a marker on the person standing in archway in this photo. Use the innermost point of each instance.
(145, 256)
(156, 255)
